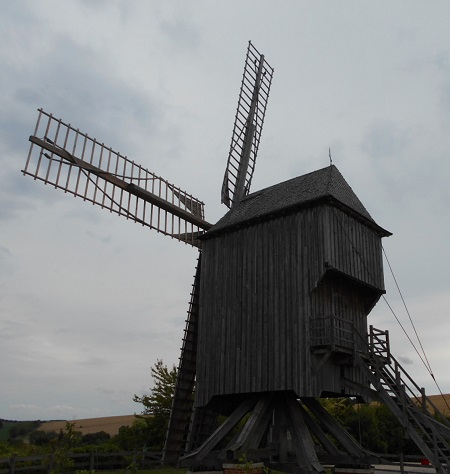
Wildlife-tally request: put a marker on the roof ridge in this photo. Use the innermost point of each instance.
(303, 190)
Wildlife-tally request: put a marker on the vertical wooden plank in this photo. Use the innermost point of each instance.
(253, 318)
(263, 306)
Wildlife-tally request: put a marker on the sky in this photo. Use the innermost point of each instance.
(89, 301)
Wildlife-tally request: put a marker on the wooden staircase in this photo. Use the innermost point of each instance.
(397, 390)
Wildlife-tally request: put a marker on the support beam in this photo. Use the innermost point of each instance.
(317, 431)
(255, 427)
(346, 441)
(221, 431)
(304, 445)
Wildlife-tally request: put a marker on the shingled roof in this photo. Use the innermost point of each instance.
(324, 184)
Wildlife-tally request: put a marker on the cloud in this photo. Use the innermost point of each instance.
(25, 406)
(105, 391)
(405, 360)
(180, 32)
(95, 362)
(5, 262)
(384, 140)
(89, 301)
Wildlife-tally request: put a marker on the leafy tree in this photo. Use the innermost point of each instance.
(64, 443)
(373, 425)
(18, 448)
(99, 437)
(42, 438)
(132, 438)
(364, 425)
(157, 405)
(22, 428)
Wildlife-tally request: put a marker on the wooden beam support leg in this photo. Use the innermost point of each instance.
(221, 431)
(279, 433)
(346, 441)
(317, 431)
(304, 445)
(251, 435)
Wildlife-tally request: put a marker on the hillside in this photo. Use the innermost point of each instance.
(109, 424)
(441, 402)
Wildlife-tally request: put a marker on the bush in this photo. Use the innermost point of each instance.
(42, 438)
(373, 425)
(22, 428)
(96, 438)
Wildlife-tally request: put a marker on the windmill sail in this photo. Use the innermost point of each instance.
(64, 157)
(248, 123)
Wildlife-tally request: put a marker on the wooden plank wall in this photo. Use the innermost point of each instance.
(255, 302)
(352, 247)
(336, 296)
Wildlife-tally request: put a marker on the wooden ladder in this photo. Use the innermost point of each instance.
(182, 405)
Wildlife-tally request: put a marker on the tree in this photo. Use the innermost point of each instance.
(41, 438)
(22, 428)
(373, 425)
(157, 405)
(97, 438)
(63, 444)
(134, 437)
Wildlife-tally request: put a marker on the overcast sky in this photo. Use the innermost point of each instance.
(89, 301)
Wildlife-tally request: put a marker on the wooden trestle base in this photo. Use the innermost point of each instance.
(278, 430)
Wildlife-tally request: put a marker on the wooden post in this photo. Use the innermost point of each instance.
(424, 400)
(332, 340)
(354, 342)
(91, 462)
(12, 464)
(402, 463)
(403, 401)
(50, 463)
(388, 347)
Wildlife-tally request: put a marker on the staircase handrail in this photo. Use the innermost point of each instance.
(424, 402)
(412, 417)
(400, 374)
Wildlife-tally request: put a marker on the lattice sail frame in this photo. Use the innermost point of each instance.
(248, 123)
(78, 164)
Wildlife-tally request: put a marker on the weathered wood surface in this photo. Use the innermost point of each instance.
(263, 284)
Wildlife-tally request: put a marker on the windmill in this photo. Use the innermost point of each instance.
(278, 312)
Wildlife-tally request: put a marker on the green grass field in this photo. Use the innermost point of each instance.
(167, 470)
(4, 430)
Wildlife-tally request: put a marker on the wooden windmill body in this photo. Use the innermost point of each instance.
(274, 270)
(279, 304)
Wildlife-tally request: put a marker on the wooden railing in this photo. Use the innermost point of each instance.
(332, 332)
(379, 343)
(95, 461)
(335, 333)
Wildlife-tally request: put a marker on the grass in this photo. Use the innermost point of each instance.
(4, 430)
(165, 470)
